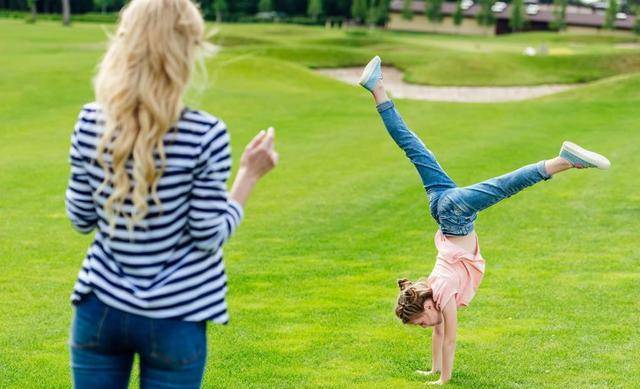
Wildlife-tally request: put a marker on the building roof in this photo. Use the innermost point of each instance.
(586, 17)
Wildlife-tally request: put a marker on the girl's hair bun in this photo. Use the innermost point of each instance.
(403, 283)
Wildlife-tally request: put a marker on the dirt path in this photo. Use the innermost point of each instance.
(468, 94)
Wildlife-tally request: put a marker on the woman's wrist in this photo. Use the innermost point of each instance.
(243, 185)
(248, 176)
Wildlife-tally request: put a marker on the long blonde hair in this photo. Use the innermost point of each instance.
(139, 87)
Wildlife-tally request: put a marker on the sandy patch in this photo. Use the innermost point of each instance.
(467, 94)
(629, 46)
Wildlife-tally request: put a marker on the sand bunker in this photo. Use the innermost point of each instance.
(467, 94)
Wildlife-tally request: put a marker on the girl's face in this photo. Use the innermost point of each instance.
(430, 317)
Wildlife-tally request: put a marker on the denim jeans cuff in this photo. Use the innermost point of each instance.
(453, 230)
(543, 170)
(384, 106)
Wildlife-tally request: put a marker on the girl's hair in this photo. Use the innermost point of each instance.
(139, 87)
(411, 299)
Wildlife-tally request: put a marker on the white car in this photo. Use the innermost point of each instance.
(532, 9)
(498, 7)
(466, 4)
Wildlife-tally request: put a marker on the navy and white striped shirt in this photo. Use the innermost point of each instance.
(170, 266)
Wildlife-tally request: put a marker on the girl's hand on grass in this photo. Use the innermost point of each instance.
(259, 156)
(427, 372)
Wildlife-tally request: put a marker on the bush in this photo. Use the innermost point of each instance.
(88, 17)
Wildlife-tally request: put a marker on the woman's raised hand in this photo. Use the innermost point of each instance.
(260, 156)
(258, 159)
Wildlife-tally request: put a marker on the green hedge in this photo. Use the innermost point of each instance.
(88, 17)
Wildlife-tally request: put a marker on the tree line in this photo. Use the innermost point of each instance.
(230, 9)
(369, 12)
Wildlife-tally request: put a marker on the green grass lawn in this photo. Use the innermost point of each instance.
(313, 268)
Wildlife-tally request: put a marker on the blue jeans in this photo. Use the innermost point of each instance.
(455, 209)
(104, 341)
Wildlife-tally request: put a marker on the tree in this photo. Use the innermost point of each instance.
(434, 10)
(559, 21)
(517, 21)
(359, 10)
(381, 12)
(34, 10)
(220, 8)
(66, 13)
(103, 4)
(485, 16)
(314, 9)
(407, 10)
(610, 16)
(457, 15)
(265, 6)
(340, 8)
(636, 25)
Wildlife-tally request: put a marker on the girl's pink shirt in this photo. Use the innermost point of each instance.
(457, 273)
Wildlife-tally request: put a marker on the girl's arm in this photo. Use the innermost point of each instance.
(436, 348)
(450, 313)
(436, 351)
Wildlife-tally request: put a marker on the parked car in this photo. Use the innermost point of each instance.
(498, 7)
(270, 16)
(621, 16)
(532, 9)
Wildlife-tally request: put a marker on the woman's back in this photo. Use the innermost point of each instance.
(170, 264)
(150, 176)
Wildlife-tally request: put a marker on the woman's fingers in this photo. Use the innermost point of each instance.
(259, 156)
(257, 140)
(269, 139)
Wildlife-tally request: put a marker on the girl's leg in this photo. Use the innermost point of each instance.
(459, 206)
(434, 178)
(472, 199)
(467, 201)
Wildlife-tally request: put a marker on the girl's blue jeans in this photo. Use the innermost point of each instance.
(104, 340)
(455, 209)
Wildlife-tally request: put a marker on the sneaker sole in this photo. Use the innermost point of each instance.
(366, 73)
(599, 161)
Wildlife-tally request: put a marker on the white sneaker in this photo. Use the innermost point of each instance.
(582, 158)
(371, 74)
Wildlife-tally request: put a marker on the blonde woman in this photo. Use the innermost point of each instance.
(149, 176)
